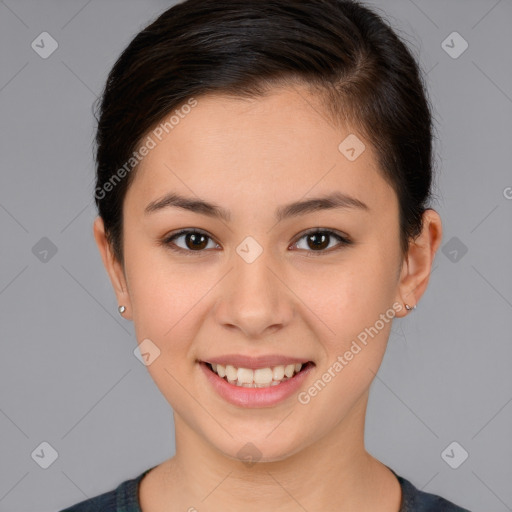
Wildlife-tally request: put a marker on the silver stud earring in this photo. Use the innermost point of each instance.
(121, 309)
(409, 308)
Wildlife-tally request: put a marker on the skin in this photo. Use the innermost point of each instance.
(250, 157)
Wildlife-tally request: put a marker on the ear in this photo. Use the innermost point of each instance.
(417, 264)
(113, 266)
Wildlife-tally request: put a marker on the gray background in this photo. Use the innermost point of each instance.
(68, 375)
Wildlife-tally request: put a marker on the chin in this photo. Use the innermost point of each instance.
(260, 449)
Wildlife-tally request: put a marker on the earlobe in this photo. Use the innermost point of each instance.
(417, 266)
(113, 268)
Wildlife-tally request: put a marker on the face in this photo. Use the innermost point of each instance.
(263, 287)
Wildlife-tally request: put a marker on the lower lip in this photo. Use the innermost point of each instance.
(255, 397)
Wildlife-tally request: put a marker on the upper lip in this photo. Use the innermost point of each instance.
(266, 361)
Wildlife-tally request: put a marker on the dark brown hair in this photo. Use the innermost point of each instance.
(341, 49)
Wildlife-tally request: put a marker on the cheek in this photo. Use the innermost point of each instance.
(163, 297)
(353, 354)
(351, 293)
(161, 293)
(355, 302)
(162, 300)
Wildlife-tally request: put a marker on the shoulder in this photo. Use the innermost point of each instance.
(415, 500)
(106, 502)
(124, 498)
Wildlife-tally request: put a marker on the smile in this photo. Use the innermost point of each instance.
(256, 378)
(253, 382)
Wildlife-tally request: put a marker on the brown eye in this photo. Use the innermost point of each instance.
(193, 241)
(317, 241)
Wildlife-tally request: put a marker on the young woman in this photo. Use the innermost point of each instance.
(264, 173)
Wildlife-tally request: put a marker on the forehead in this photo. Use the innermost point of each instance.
(276, 148)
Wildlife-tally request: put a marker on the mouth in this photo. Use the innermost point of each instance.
(258, 377)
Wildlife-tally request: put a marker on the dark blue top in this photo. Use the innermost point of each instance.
(125, 499)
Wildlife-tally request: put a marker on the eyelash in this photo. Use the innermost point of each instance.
(168, 241)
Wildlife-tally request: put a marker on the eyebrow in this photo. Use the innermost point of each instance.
(331, 201)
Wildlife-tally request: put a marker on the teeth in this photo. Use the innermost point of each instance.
(288, 370)
(278, 373)
(259, 378)
(245, 375)
(263, 375)
(231, 373)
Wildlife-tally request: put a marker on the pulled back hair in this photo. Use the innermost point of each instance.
(364, 74)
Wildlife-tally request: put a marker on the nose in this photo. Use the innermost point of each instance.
(254, 298)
